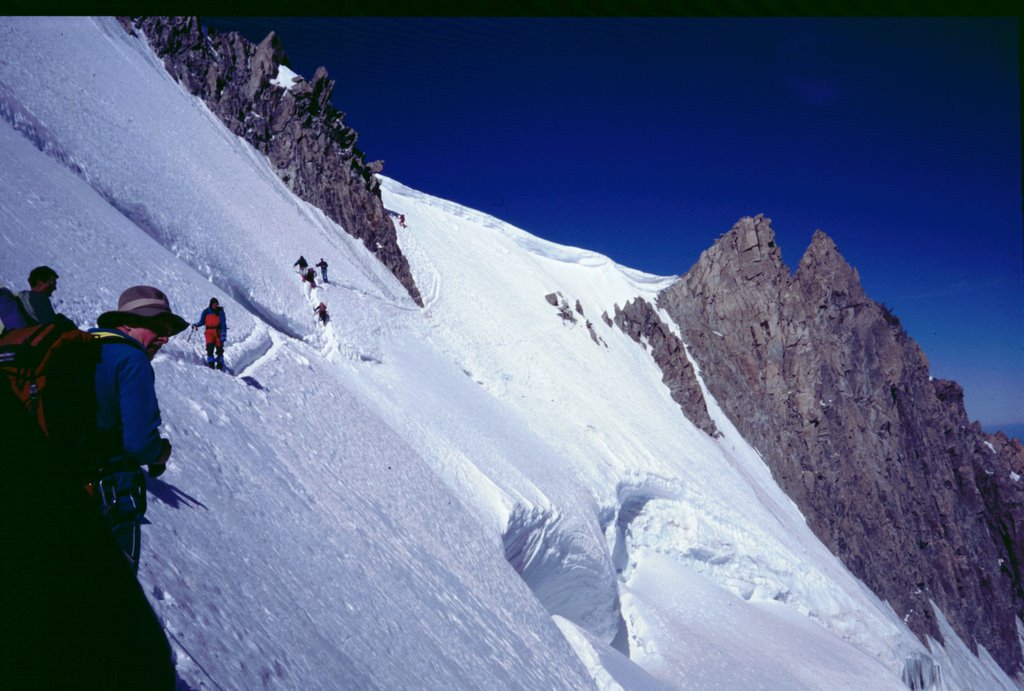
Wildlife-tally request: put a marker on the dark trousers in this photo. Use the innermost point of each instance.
(210, 359)
(73, 613)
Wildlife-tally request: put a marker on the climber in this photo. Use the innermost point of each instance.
(321, 311)
(128, 417)
(216, 325)
(32, 306)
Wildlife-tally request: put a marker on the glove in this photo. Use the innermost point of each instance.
(157, 467)
(63, 321)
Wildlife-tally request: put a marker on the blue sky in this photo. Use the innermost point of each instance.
(646, 139)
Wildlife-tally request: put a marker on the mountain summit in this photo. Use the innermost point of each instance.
(880, 457)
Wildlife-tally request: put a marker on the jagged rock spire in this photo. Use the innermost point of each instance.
(881, 458)
(746, 253)
(824, 274)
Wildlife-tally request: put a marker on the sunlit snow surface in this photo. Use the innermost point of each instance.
(476, 494)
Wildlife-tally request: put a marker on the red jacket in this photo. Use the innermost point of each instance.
(216, 325)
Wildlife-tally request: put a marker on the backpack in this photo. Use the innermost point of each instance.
(50, 369)
(44, 366)
(12, 312)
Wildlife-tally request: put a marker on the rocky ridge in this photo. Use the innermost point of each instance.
(640, 321)
(297, 128)
(915, 499)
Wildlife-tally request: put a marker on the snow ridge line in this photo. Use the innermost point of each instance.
(532, 244)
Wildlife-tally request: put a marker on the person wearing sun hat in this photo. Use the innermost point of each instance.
(144, 308)
(128, 415)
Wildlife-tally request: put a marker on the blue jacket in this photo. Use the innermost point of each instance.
(126, 395)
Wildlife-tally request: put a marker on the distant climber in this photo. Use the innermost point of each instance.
(216, 324)
(302, 264)
(322, 265)
(321, 311)
(401, 220)
(310, 277)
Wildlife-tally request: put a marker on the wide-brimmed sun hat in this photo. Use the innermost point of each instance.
(144, 306)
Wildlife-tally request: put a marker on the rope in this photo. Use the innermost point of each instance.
(194, 660)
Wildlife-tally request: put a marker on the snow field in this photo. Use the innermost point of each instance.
(683, 495)
(472, 495)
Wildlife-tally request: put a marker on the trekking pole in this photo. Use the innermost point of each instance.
(189, 339)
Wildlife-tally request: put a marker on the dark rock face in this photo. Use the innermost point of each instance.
(916, 500)
(639, 320)
(558, 301)
(297, 128)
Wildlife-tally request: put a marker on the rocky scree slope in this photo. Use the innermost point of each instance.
(297, 128)
(916, 500)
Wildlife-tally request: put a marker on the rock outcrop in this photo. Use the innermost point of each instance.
(294, 125)
(639, 320)
(916, 500)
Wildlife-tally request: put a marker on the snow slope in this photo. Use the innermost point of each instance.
(476, 494)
